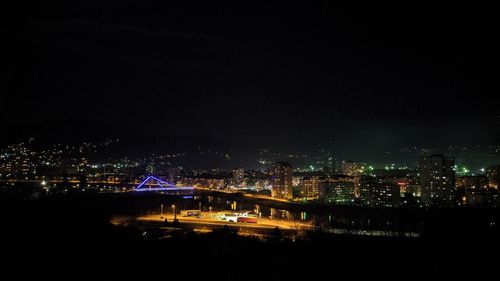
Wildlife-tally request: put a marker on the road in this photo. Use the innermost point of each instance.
(209, 219)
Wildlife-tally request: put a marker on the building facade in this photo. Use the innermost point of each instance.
(309, 187)
(375, 192)
(281, 180)
(437, 179)
(337, 192)
(239, 176)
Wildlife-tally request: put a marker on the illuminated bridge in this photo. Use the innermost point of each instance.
(153, 183)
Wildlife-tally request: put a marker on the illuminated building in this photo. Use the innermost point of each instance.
(412, 196)
(351, 168)
(281, 180)
(337, 192)
(309, 187)
(414, 189)
(437, 179)
(17, 161)
(239, 176)
(375, 192)
(493, 173)
(210, 183)
(471, 182)
(481, 198)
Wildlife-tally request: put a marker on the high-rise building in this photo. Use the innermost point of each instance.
(239, 176)
(437, 179)
(281, 180)
(309, 187)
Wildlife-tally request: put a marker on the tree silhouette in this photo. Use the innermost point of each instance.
(277, 235)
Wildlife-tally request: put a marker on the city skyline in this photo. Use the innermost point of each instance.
(247, 140)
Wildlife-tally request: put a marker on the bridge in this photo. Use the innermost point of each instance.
(152, 183)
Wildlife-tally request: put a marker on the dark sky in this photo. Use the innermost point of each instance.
(365, 75)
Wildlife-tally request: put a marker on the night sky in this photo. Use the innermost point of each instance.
(362, 76)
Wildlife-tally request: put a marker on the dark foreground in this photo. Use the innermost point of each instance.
(70, 238)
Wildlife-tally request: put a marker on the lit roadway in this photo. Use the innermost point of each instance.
(209, 219)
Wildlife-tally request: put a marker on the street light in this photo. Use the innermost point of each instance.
(161, 210)
(173, 210)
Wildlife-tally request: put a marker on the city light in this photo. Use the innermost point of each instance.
(308, 141)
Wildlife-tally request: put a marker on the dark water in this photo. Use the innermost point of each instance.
(351, 220)
(363, 222)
